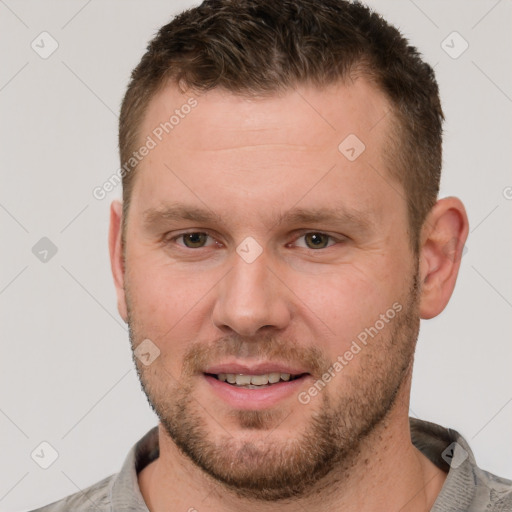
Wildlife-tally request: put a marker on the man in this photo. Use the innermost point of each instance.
(279, 239)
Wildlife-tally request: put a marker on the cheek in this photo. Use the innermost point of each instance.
(168, 303)
(153, 293)
(162, 313)
(157, 285)
(345, 302)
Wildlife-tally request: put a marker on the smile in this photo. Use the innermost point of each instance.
(254, 381)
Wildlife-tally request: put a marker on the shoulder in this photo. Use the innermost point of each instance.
(493, 491)
(93, 498)
(118, 492)
(467, 487)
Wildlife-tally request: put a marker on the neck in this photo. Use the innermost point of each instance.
(388, 469)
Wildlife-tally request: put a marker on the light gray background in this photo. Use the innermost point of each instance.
(66, 372)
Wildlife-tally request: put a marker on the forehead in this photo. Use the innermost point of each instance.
(305, 116)
(234, 152)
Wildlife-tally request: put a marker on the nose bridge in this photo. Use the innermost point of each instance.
(250, 296)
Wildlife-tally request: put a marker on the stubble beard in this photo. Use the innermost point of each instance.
(265, 467)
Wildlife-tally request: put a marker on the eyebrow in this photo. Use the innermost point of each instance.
(361, 220)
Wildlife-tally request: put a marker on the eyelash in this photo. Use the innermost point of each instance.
(304, 233)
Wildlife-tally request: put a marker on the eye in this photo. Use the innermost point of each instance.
(197, 240)
(194, 240)
(316, 240)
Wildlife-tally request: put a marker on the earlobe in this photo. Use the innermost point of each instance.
(444, 234)
(116, 256)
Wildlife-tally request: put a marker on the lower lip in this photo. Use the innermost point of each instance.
(243, 398)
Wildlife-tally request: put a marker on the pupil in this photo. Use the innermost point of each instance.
(316, 239)
(194, 239)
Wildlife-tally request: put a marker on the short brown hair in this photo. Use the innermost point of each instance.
(258, 47)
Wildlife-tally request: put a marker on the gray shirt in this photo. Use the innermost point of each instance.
(467, 488)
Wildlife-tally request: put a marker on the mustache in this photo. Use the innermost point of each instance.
(265, 347)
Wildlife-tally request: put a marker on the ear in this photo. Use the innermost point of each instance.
(443, 236)
(116, 256)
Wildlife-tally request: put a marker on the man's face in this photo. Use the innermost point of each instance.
(300, 259)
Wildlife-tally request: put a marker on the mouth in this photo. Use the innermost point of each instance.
(261, 381)
(256, 386)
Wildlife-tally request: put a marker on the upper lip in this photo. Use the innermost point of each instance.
(254, 369)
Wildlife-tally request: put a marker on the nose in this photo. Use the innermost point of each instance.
(251, 297)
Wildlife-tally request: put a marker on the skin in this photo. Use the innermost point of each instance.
(248, 160)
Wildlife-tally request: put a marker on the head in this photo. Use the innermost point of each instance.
(286, 219)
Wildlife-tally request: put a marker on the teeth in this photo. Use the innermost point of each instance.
(274, 377)
(255, 380)
(258, 380)
(243, 380)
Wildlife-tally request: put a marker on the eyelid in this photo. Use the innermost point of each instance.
(296, 236)
(301, 233)
(174, 238)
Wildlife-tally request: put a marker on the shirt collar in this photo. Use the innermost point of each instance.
(441, 445)
(449, 451)
(124, 491)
